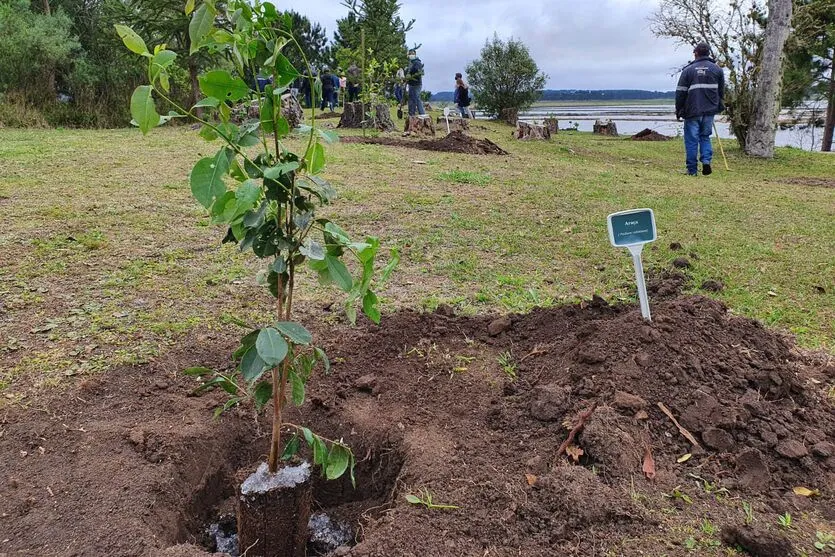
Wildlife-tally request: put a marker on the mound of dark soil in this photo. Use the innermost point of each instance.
(647, 134)
(455, 142)
(327, 115)
(128, 464)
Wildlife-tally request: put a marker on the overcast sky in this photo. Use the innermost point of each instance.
(585, 44)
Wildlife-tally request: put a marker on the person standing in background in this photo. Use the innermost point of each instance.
(354, 80)
(414, 79)
(699, 94)
(462, 96)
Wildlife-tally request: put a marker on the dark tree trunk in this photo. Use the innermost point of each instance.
(382, 118)
(272, 522)
(829, 124)
(358, 115)
(352, 115)
(50, 72)
(292, 110)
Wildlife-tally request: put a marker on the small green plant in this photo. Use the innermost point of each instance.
(690, 543)
(465, 177)
(749, 512)
(507, 364)
(785, 521)
(424, 497)
(271, 207)
(824, 541)
(707, 527)
(677, 493)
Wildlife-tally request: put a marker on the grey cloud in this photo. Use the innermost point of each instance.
(596, 44)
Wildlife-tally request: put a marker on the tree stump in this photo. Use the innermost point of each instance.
(273, 511)
(382, 118)
(528, 131)
(456, 123)
(509, 115)
(359, 115)
(605, 127)
(291, 109)
(419, 125)
(352, 115)
(552, 124)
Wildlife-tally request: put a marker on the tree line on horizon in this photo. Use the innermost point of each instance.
(584, 95)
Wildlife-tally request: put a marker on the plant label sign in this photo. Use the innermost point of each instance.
(632, 229)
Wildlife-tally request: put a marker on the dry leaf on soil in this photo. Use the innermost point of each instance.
(806, 492)
(531, 479)
(649, 463)
(684, 458)
(574, 452)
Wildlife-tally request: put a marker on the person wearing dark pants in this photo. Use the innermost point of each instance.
(699, 94)
(414, 79)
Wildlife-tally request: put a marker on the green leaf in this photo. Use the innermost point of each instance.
(206, 178)
(208, 133)
(414, 500)
(337, 461)
(338, 234)
(221, 85)
(247, 342)
(252, 365)
(297, 391)
(387, 270)
(262, 394)
(198, 371)
(143, 110)
(208, 102)
(229, 404)
(159, 63)
(370, 307)
(248, 194)
(318, 187)
(282, 127)
(327, 135)
(339, 273)
(295, 332)
(308, 436)
(218, 381)
(199, 26)
(326, 363)
(315, 158)
(189, 7)
(291, 448)
(313, 250)
(275, 172)
(133, 41)
(266, 114)
(320, 451)
(285, 70)
(271, 346)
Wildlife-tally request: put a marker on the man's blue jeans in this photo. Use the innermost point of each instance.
(415, 104)
(697, 139)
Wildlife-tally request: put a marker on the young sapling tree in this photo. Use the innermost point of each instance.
(268, 198)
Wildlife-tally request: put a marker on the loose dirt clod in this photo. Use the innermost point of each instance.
(647, 134)
(455, 142)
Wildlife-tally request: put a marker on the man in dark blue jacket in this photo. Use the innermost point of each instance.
(698, 99)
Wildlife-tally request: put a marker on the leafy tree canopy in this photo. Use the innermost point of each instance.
(505, 77)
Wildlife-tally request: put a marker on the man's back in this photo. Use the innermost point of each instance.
(700, 89)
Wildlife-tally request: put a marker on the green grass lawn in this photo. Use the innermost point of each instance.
(107, 260)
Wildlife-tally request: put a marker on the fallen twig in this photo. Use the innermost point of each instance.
(581, 422)
(681, 430)
(537, 350)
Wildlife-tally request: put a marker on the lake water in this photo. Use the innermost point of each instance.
(631, 119)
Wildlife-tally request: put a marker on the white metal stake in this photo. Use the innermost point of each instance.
(639, 278)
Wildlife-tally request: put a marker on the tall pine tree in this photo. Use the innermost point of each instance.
(385, 30)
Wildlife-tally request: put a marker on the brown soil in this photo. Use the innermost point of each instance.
(128, 464)
(813, 182)
(647, 134)
(455, 142)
